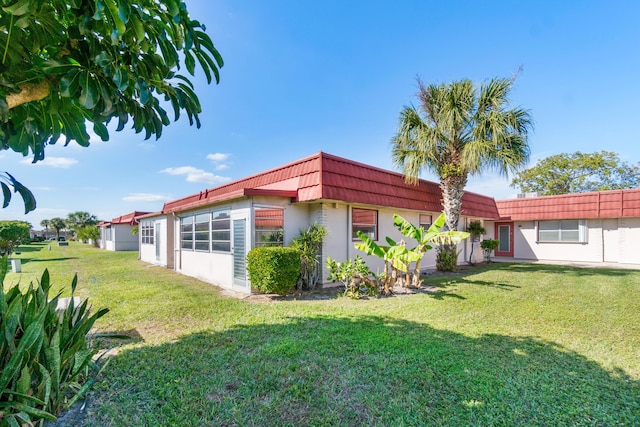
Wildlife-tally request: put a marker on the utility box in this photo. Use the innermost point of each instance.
(16, 265)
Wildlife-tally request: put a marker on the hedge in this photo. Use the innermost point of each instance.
(273, 269)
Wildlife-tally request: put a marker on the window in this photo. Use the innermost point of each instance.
(207, 231)
(269, 227)
(147, 232)
(221, 231)
(186, 232)
(566, 230)
(366, 221)
(201, 232)
(107, 233)
(425, 221)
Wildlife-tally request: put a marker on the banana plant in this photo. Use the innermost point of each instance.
(396, 258)
(424, 237)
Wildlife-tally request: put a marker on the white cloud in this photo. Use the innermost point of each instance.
(219, 160)
(54, 162)
(196, 175)
(218, 157)
(145, 197)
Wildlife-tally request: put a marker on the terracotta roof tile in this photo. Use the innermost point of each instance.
(603, 204)
(326, 177)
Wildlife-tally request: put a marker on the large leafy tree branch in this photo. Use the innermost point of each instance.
(66, 64)
(578, 173)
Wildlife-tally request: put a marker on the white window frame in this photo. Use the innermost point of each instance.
(422, 221)
(582, 231)
(257, 241)
(217, 221)
(147, 232)
(372, 226)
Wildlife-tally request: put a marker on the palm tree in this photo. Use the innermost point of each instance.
(57, 224)
(461, 130)
(45, 223)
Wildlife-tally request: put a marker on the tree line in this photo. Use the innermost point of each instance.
(83, 225)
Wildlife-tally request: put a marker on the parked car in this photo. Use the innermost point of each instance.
(62, 239)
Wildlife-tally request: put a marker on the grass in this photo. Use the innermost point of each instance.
(508, 344)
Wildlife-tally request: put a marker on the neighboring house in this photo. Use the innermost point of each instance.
(208, 235)
(117, 234)
(586, 227)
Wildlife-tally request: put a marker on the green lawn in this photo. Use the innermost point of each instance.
(509, 344)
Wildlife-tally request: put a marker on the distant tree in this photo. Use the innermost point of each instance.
(90, 232)
(45, 223)
(69, 63)
(578, 173)
(12, 234)
(57, 224)
(78, 220)
(460, 130)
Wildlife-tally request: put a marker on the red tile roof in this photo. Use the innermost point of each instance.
(130, 218)
(603, 204)
(326, 177)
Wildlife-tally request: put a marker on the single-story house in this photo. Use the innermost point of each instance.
(117, 234)
(587, 227)
(207, 235)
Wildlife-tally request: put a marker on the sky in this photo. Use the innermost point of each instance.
(307, 76)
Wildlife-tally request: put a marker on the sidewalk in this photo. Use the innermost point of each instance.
(613, 265)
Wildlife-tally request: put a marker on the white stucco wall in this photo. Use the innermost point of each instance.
(123, 239)
(340, 246)
(148, 251)
(608, 240)
(628, 238)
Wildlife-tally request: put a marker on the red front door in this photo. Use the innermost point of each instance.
(504, 233)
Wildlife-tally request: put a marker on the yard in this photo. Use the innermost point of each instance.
(507, 344)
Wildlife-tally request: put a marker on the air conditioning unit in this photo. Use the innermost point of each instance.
(527, 195)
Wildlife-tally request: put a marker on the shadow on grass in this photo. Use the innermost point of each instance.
(34, 247)
(359, 371)
(26, 260)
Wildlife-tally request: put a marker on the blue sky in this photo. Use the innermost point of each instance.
(303, 76)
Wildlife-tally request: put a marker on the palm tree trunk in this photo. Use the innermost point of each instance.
(452, 190)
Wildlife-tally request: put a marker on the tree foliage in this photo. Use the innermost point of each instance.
(578, 173)
(57, 224)
(12, 234)
(69, 63)
(80, 219)
(89, 232)
(461, 129)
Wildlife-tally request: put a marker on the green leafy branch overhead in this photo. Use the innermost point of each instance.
(66, 64)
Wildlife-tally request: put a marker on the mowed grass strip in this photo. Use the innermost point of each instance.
(509, 344)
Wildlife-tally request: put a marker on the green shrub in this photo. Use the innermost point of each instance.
(354, 275)
(488, 246)
(447, 257)
(44, 355)
(309, 243)
(273, 269)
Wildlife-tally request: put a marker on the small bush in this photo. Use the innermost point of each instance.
(273, 269)
(447, 257)
(488, 246)
(45, 360)
(354, 275)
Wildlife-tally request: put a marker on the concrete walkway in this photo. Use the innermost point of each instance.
(613, 265)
